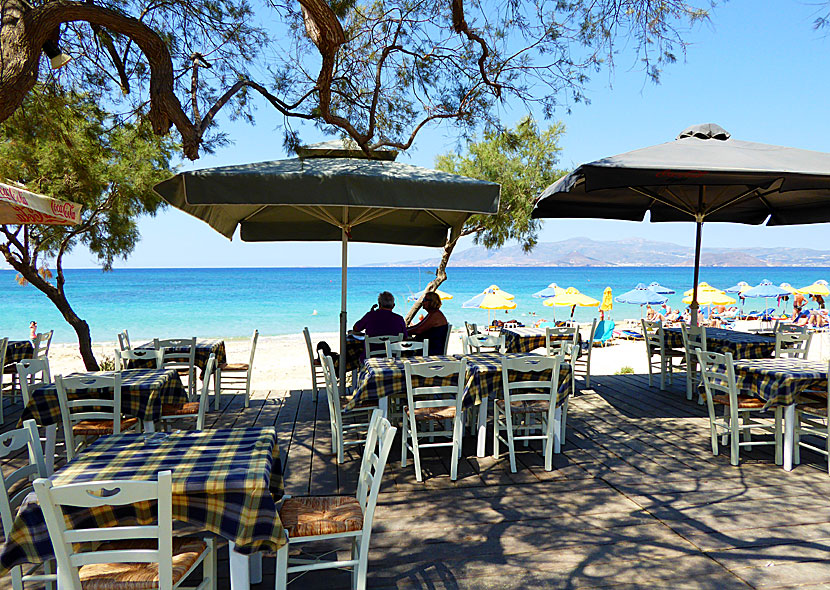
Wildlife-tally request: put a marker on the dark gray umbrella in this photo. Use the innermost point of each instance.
(703, 175)
(332, 193)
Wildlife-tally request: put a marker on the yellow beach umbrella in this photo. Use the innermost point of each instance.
(607, 300)
(710, 298)
(703, 287)
(786, 286)
(491, 298)
(817, 288)
(569, 298)
(504, 294)
(419, 294)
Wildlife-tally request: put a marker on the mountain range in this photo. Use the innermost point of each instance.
(627, 252)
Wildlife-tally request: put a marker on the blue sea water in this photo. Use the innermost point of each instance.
(231, 302)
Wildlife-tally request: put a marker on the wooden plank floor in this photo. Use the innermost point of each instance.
(635, 500)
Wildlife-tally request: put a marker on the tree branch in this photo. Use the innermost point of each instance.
(459, 25)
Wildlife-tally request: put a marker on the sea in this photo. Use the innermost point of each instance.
(232, 302)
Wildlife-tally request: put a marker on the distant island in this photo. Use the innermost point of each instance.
(628, 252)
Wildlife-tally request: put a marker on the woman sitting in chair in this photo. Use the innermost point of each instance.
(434, 326)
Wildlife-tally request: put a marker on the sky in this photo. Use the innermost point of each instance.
(757, 68)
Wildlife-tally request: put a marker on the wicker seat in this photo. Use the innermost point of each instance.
(816, 409)
(187, 409)
(445, 413)
(100, 427)
(140, 576)
(234, 366)
(306, 517)
(525, 407)
(744, 401)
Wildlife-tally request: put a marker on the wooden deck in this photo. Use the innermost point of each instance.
(636, 500)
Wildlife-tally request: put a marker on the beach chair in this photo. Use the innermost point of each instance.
(812, 417)
(604, 332)
(338, 518)
(236, 376)
(718, 374)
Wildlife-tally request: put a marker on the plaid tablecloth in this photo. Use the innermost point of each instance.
(779, 381)
(382, 377)
(143, 391)
(204, 348)
(17, 350)
(224, 482)
(742, 345)
(354, 351)
(527, 339)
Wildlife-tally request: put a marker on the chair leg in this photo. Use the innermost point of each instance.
(416, 451)
(359, 571)
(779, 446)
(281, 577)
(457, 433)
(797, 439)
(747, 434)
(496, 449)
(735, 436)
(404, 437)
(550, 443)
(217, 388)
(511, 449)
(662, 373)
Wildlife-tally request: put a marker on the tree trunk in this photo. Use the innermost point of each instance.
(440, 273)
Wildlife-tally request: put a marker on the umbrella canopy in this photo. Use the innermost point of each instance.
(817, 288)
(658, 288)
(551, 290)
(703, 175)
(416, 296)
(19, 207)
(332, 192)
(788, 287)
(491, 298)
(570, 298)
(710, 298)
(641, 295)
(765, 289)
(739, 288)
(704, 287)
(607, 300)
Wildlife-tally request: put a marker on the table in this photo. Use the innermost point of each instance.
(779, 382)
(17, 350)
(143, 391)
(527, 339)
(742, 345)
(382, 378)
(224, 482)
(204, 348)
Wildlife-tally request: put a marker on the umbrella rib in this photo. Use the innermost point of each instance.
(734, 200)
(659, 199)
(258, 211)
(320, 214)
(369, 215)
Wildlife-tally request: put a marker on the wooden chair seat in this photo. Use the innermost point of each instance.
(744, 401)
(364, 404)
(140, 576)
(816, 409)
(443, 413)
(183, 372)
(306, 517)
(526, 407)
(187, 409)
(225, 367)
(100, 427)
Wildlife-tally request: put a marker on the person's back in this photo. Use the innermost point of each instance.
(381, 320)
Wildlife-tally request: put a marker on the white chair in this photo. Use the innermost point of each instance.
(124, 340)
(16, 486)
(308, 519)
(694, 339)
(794, 345)
(472, 329)
(582, 362)
(236, 376)
(33, 373)
(477, 343)
(42, 343)
(183, 359)
(90, 416)
(4, 343)
(379, 346)
(561, 340)
(539, 402)
(358, 417)
(447, 339)
(439, 404)
(316, 367)
(139, 354)
(656, 345)
(398, 349)
(811, 417)
(122, 557)
(197, 409)
(718, 374)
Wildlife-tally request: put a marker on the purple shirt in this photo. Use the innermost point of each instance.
(381, 322)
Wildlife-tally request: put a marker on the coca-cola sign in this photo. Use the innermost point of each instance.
(13, 195)
(19, 206)
(63, 209)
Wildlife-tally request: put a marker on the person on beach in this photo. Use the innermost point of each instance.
(652, 315)
(33, 330)
(381, 320)
(434, 326)
(818, 299)
(798, 303)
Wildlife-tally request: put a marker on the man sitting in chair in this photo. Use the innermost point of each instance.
(381, 320)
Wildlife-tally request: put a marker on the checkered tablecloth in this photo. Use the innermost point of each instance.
(224, 482)
(382, 377)
(780, 381)
(143, 391)
(742, 345)
(527, 339)
(17, 350)
(204, 348)
(354, 352)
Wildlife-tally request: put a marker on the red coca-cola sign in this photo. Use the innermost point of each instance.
(13, 195)
(63, 209)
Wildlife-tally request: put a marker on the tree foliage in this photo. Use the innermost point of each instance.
(377, 71)
(64, 145)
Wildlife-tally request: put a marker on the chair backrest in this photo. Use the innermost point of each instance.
(399, 348)
(138, 354)
(785, 327)
(332, 390)
(87, 408)
(14, 490)
(307, 336)
(794, 345)
(254, 338)
(653, 335)
(174, 358)
(531, 390)
(694, 338)
(42, 343)
(474, 343)
(76, 547)
(4, 343)
(472, 329)
(378, 345)
(210, 368)
(376, 451)
(32, 372)
(718, 374)
(561, 340)
(447, 339)
(440, 395)
(124, 340)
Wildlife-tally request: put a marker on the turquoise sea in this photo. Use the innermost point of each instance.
(231, 302)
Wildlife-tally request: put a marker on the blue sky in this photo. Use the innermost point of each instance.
(758, 69)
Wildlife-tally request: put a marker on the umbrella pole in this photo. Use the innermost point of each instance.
(697, 257)
(343, 276)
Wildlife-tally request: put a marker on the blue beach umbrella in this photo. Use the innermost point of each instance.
(641, 295)
(765, 289)
(739, 288)
(658, 288)
(551, 290)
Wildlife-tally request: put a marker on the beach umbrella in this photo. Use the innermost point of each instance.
(703, 287)
(658, 288)
(416, 296)
(551, 290)
(703, 175)
(710, 298)
(492, 298)
(571, 298)
(817, 288)
(607, 302)
(332, 192)
(641, 295)
(765, 289)
(504, 294)
(740, 287)
(19, 206)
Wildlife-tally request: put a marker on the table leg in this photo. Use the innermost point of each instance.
(240, 568)
(789, 436)
(149, 426)
(482, 425)
(256, 568)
